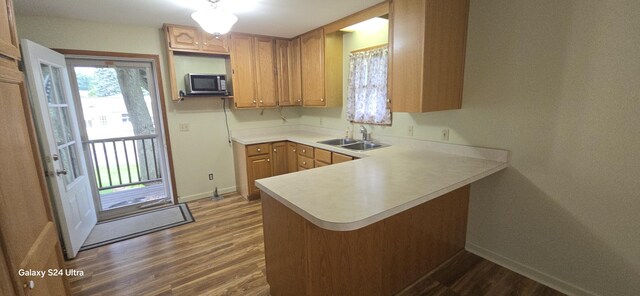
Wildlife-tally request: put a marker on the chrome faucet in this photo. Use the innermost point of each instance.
(365, 134)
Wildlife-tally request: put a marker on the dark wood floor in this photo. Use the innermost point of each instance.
(222, 253)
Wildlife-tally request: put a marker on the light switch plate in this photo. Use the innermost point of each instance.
(184, 127)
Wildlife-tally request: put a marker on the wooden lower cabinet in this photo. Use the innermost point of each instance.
(258, 167)
(292, 157)
(257, 161)
(279, 158)
(379, 259)
(305, 162)
(321, 157)
(338, 158)
(252, 162)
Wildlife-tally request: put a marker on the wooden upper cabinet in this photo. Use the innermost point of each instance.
(264, 52)
(243, 72)
(191, 39)
(214, 44)
(428, 43)
(183, 38)
(253, 71)
(8, 36)
(288, 70)
(312, 67)
(321, 67)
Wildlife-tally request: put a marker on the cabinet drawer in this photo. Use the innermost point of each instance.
(258, 149)
(305, 150)
(338, 158)
(320, 164)
(305, 162)
(322, 155)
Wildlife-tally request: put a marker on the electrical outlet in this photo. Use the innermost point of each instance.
(210, 176)
(445, 134)
(184, 127)
(410, 131)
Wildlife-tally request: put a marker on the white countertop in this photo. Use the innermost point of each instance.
(384, 182)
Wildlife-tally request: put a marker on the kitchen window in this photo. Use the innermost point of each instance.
(367, 98)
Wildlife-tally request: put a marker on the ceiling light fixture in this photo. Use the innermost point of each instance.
(213, 19)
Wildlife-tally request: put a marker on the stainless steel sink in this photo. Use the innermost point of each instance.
(363, 146)
(353, 144)
(339, 142)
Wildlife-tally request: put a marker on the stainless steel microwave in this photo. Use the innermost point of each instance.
(205, 84)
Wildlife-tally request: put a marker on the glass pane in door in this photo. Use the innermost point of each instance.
(60, 122)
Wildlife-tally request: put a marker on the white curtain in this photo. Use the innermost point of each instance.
(367, 98)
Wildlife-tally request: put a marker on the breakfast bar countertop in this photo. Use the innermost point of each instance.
(382, 183)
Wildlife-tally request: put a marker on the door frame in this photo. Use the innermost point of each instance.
(155, 67)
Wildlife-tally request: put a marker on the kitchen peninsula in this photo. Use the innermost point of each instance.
(370, 226)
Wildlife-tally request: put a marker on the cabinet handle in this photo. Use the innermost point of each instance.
(304, 150)
(274, 150)
(322, 100)
(304, 162)
(254, 101)
(294, 150)
(268, 160)
(259, 149)
(196, 42)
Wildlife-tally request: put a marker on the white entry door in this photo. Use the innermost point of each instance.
(60, 140)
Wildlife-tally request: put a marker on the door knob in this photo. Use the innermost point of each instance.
(61, 172)
(29, 284)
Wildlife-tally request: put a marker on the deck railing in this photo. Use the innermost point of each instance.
(126, 161)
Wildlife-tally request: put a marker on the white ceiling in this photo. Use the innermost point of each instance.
(282, 18)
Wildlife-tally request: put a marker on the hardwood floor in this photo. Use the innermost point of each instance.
(222, 253)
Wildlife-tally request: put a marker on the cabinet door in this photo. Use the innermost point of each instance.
(8, 35)
(312, 67)
(295, 82)
(265, 71)
(279, 158)
(288, 70)
(243, 72)
(258, 167)
(428, 51)
(29, 238)
(292, 157)
(322, 155)
(183, 38)
(338, 158)
(282, 67)
(214, 44)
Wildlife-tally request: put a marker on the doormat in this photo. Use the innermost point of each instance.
(124, 228)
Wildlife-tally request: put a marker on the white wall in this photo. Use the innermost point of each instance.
(558, 84)
(196, 153)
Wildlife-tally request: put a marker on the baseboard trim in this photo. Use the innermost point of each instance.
(527, 271)
(202, 195)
